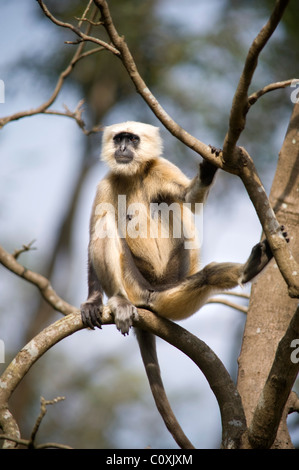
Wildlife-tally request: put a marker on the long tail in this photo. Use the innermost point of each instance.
(147, 345)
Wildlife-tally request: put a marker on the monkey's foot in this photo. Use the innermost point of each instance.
(124, 313)
(260, 256)
(91, 314)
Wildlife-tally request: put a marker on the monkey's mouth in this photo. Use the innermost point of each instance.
(123, 159)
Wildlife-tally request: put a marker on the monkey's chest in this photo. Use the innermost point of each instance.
(155, 236)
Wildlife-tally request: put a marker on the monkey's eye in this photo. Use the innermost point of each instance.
(117, 139)
(134, 139)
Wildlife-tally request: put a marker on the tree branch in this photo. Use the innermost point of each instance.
(227, 303)
(229, 401)
(271, 87)
(42, 283)
(276, 391)
(141, 87)
(288, 266)
(240, 105)
(77, 31)
(43, 108)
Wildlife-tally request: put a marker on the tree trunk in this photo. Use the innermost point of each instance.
(271, 308)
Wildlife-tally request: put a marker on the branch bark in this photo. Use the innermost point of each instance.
(283, 373)
(271, 310)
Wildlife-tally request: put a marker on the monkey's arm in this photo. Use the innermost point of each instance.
(199, 187)
(105, 254)
(91, 310)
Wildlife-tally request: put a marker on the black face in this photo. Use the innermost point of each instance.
(125, 143)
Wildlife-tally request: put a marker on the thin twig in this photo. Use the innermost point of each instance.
(271, 87)
(42, 283)
(77, 31)
(93, 23)
(24, 248)
(44, 107)
(227, 303)
(43, 410)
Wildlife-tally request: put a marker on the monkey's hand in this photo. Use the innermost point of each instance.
(260, 256)
(124, 313)
(91, 314)
(207, 170)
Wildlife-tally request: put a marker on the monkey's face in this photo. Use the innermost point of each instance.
(125, 144)
(127, 147)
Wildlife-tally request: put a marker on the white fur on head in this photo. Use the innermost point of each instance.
(150, 146)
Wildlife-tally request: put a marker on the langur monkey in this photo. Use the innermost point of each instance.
(135, 262)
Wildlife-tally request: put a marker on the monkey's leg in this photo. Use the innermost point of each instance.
(185, 298)
(91, 310)
(105, 273)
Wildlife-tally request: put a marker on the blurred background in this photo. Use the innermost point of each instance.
(191, 55)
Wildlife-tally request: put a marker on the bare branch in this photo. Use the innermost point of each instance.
(38, 280)
(228, 398)
(141, 87)
(233, 419)
(240, 105)
(24, 248)
(76, 115)
(232, 415)
(77, 31)
(93, 23)
(43, 410)
(288, 266)
(43, 108)
(227, 303)
(271, 87)
(242, 295)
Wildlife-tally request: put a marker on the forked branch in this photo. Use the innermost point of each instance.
(240, 105)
